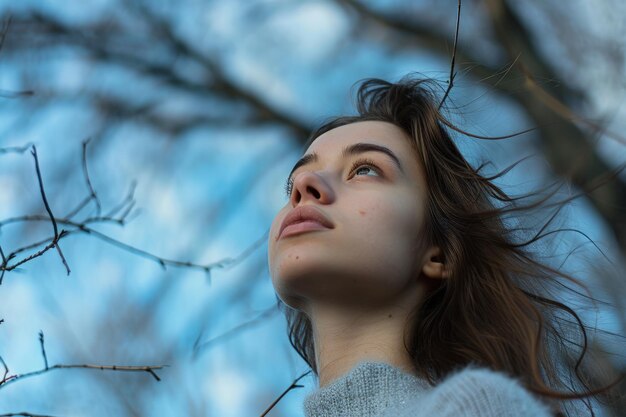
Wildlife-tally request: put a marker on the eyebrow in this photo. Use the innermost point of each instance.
(354, 149)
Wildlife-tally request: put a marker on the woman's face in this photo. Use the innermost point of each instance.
(374, 201)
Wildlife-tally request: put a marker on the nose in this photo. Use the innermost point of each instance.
(311, 186)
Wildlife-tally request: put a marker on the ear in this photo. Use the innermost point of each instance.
(433, 264)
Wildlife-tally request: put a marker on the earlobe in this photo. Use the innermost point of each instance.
(433, 265)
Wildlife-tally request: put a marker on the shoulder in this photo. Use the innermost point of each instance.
(490, 393)
(479, 392)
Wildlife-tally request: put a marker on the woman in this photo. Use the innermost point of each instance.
(403, 289)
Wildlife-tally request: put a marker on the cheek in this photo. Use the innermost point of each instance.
(401, 218)
(391, 230)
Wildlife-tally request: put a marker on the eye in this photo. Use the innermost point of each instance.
(365, 164)
(358, 166)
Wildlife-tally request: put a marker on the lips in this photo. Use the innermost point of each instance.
(308, 215)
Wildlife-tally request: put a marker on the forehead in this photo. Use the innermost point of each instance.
(381, 133)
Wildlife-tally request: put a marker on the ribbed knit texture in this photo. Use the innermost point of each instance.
(377, 389)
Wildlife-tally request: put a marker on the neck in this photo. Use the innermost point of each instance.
(345, 336)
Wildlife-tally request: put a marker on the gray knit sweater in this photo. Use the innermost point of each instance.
(377, 389)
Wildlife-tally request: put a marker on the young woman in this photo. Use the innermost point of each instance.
(403, 288)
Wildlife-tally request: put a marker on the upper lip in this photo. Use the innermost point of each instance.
(304, 213)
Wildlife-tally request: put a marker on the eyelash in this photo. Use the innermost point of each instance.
(356, 164)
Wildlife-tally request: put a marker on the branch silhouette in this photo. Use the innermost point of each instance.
(293, 385)
(452, 73)
(81, 227)
(16, 149)
(102, 49)
(200, 347)
(57, 236)
(125, 207)
(10, 379)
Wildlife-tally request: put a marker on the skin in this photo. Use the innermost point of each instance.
(359, 281)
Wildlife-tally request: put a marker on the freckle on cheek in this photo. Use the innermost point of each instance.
(297, 257)
(362, 212)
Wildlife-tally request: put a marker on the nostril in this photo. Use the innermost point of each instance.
(313, 191)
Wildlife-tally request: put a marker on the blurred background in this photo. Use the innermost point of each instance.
(195, 112)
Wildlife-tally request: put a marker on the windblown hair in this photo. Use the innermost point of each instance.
(499, 307)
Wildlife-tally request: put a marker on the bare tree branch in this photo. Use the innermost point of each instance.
(4, 93)
(81, 227)
(456, 39)
(45, 202)
(43, 349)
(53, 243)
(220, 85)
(221, 82)
(200, 347)
(569, 150)
(87, 180)
(6, 369)
(557, 106)
(293, 385)
(126, 205)
(16, 94)
(4, 30)
(120, 368)
(16, 149)
(4, 263)
(9, 379)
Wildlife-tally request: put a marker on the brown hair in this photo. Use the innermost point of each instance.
(498, 307)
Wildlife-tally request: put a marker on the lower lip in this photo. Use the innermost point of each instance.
(302, 227)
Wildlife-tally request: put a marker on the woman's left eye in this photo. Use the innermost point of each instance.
(365, 165)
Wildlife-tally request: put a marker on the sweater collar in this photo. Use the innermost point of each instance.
(368, 389)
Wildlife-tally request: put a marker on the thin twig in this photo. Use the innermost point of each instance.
(199, 347)
(53, 243)
(561, 108)
(3, 32)
(16, 149)
(86, 173)
(292, 386)
(456, 38)
(16, 94)
(27, 248)
(45, 202)
(128, 199)
(127, 205)
(224, 263)
(25, 414)
(79, 207)
(6, 369)
(4, 263)
(5, 93)
(43, 193)
(6, 380)
(92, 194)
(149, 369)
(43, 349)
